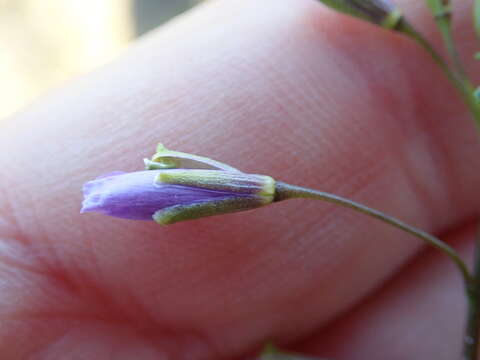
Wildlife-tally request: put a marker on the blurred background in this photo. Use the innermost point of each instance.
(45, 42)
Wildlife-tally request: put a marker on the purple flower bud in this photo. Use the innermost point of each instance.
(168, 196)
(177, 186)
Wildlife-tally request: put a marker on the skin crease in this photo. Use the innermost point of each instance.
(284, 88)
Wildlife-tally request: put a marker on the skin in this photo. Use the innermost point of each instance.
(284, 88)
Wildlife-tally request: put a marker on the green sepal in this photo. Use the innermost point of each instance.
(161, 165)
(233, 182)
(168, 159)
(160, 148)
(219, 206)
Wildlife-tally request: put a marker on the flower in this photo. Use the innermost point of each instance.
(180, 187)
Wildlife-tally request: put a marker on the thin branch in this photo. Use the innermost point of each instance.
(286, 191)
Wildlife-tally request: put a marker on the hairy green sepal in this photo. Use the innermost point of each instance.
(168, 159)
(176, 213)
(235, 182)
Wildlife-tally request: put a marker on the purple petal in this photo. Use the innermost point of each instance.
(135, 196)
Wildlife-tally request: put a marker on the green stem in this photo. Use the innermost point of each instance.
(462, 85)
(472, 332)
(285, 191)
(443, 18)
(460, 79)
